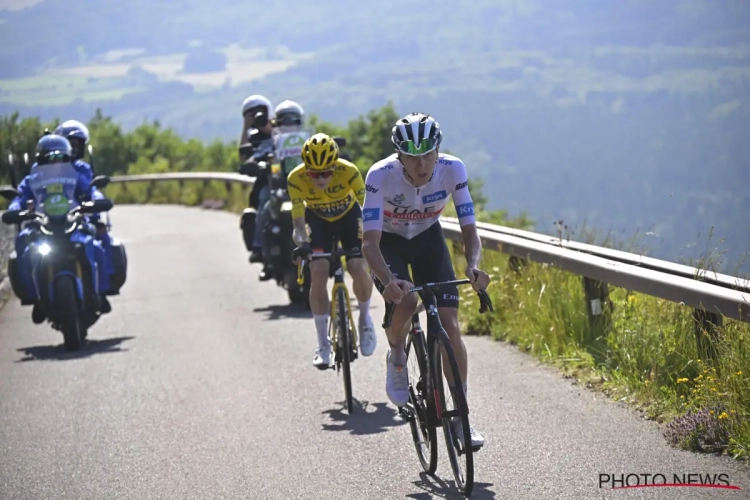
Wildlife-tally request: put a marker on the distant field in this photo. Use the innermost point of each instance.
(103, 78)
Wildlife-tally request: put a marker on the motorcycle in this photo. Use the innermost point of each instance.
(59, 257)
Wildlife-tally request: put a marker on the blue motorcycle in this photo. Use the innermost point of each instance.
(59, 269)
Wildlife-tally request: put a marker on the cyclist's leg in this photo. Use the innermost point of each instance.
(434, 264)
(320, 241)
(349, 230)
(396, 250)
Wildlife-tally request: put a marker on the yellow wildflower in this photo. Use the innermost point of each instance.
(681, 380)
(723, 415)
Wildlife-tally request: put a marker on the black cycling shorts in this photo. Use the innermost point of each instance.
(430, 261)
(348, 229)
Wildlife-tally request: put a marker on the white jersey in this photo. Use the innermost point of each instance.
(394, 205)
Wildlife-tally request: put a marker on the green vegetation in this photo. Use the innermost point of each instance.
(630, 116)
(645, 355)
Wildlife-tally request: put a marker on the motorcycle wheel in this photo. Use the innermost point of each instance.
(69, 319)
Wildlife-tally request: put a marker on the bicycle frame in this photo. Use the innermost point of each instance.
(338, 283)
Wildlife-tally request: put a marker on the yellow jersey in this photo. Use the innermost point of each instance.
(346, 188)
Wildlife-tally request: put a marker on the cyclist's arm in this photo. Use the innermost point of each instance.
(465, 211)
(357, 184)
(296, 195)
(372, 224)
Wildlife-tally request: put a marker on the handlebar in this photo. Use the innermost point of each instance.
(87, 207)
(485, 303)
(337, 254)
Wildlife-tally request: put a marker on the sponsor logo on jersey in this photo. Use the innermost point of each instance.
(462, 185)
(448, 296)
(335, 189)
(371, 189)
(370, 214)
(431, 198)
(412, 214)
(443, 161)
(398, 199)
(465, 210)
(331, 208)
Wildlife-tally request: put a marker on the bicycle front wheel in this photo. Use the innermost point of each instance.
(455, 418)
(344, 341)
(420, 403)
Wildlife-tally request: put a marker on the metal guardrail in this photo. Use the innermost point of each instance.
(712, 295)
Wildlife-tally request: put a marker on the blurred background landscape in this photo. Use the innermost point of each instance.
(632, 117)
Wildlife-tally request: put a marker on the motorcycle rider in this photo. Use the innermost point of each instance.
(258, 131)
(53, 148)
(289, 116)
(78, 135)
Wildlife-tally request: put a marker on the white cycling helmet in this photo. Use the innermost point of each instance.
(289, 113)
(416, 134)
(257, 101)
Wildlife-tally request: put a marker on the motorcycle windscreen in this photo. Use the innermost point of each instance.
(54, 188)
(289, 149)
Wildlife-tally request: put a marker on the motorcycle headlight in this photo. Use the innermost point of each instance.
(44, 249)
(286, 206)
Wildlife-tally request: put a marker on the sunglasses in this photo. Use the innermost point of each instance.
(320, 175)
(408, 147)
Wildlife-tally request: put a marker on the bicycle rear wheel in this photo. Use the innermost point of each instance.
(344, 341)
(420, 404)
(455, 418)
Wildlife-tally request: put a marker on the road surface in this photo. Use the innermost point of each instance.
(199, 385)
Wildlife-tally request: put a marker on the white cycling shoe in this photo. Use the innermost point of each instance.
(322, 358)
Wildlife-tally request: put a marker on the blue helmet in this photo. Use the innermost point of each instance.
(77, 134)
(53, 148)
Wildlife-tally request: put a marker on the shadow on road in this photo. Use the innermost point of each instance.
(285, 311)
(362, 422)
(435, 487)
(59, 353)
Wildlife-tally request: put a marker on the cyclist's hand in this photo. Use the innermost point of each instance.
(301, 252)
(478, 278)
(395, 290)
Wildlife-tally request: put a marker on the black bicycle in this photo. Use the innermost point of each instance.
(426, 409)
(342, 331)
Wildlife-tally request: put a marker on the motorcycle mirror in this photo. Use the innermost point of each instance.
(26, 159)
(100, 181)
(9, 194)
(341, 141)
(95, 206)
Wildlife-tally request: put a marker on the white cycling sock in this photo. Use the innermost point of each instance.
(364, 311)
(321, 326)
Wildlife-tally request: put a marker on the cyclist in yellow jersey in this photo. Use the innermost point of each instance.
(327, 193)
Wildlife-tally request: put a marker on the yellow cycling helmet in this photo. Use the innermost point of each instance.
(320, 152)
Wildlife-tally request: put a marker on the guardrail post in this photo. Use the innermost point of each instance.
(206, 183)
(181, 187)
(517, 264)
(150, 190)
(597, 301)
(707, 326)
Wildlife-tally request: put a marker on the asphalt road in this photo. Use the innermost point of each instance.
(199, 385)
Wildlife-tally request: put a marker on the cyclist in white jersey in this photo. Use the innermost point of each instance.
(404, 197)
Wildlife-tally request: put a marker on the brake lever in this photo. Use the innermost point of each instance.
(484, 302)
